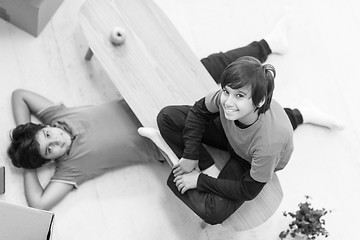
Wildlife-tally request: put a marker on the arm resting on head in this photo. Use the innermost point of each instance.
(40, 198)
(24, 103)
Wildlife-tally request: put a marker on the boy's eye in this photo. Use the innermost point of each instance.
(224, 90)
(49, 150)
(239, 95)
(47, 134)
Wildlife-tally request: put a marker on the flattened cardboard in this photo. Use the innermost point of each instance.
(20, 222)
(2, 179)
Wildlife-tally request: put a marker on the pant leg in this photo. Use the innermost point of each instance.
(216, 63)
(171, 123)
(295, 117)
(212, 208)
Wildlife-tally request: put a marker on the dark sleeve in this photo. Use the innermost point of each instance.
(195, 124)
(245, 189)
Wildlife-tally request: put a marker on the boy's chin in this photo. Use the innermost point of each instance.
(231, 118)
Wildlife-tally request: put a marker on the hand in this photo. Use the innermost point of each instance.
(184, 166)
(187, 181)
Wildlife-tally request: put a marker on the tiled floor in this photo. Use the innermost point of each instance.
(321, 66)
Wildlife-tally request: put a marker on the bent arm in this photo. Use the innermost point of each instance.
(24, 103)
(195, 124)
(40, 198)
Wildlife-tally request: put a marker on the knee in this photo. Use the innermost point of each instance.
(169, 118)
(214, 219)
(218, 209)
(192, 198)
(163, 115)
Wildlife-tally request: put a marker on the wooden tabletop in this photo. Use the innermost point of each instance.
(154, 67)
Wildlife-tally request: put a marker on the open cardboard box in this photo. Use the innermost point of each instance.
(20, 222)
(29, 15)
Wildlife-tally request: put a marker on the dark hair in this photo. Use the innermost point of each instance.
(248, 71)
(24, 149)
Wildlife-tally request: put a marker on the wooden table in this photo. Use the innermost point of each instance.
(154, 67)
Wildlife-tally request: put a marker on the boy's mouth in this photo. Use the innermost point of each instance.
(229, 110)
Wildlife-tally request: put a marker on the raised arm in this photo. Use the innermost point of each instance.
(195, 124)
(40, 198)
(24, 103)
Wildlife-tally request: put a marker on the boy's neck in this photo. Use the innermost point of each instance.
(241, 125)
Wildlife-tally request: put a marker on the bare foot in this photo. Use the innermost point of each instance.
(313, 115)
(154, 135)
(278, 39)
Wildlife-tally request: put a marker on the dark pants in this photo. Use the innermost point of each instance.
(212, 208)
(216, 63)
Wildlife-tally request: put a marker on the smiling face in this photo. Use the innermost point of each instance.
(248, 74)
(53, 142)
(238, 105)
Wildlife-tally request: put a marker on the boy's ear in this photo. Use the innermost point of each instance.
(261, 103)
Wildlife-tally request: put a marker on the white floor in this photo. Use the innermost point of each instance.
(321, 66)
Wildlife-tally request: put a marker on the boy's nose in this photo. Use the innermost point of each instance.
(229, 101)
(56, 141)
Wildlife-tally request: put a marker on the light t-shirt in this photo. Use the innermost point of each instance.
(267, 144)
(105, 137)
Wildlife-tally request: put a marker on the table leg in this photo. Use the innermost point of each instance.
(89, 54)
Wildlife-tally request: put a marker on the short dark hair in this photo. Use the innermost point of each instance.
(24, 149)
(248, 71)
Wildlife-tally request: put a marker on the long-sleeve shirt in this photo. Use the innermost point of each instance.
(267, 145)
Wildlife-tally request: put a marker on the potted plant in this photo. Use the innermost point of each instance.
(307, 222)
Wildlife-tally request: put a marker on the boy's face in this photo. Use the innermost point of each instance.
(238, 105)
(53, 142)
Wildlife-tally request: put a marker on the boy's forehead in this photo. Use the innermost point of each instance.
(39, 134)
(244, 90)
(50, 128)
(41, 131)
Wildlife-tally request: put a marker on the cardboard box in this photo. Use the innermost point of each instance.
(29, 15)
(2, 179)
(20, 222)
